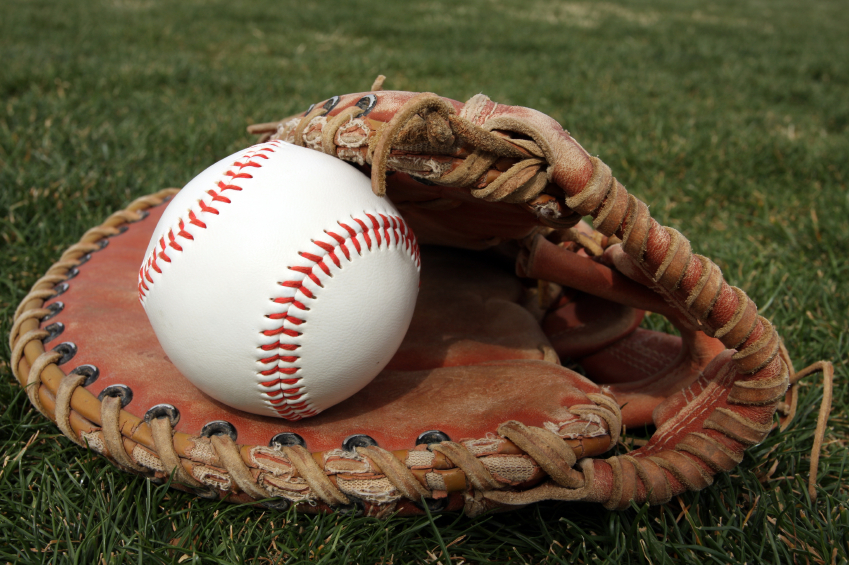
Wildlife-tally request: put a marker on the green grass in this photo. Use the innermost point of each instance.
(731, 120)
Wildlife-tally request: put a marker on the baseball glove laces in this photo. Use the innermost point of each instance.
(479, 409)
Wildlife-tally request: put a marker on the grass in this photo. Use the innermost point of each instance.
(731, 119)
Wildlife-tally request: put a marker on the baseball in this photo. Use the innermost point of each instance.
(278, 283)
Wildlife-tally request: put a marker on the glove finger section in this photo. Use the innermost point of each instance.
(642, 367)
(701, 432)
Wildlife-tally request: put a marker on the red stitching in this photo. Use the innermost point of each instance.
(194, 220)
(365, 232)
(217, 197)
(353, 234)
(223, 186)
(386, 227)
(292, 301)
(289, 402)
(204, 208)
(183, 233)
(151, 262)
(238, 176)
(341, 242)
(172, 241)
(290, 333)
(376, 228)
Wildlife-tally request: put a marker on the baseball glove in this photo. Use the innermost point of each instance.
(478, 409)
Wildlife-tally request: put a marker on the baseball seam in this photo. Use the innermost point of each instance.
(285, 387)
(161, 251)
(285, 394)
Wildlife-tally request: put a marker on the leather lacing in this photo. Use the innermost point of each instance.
(117, 427)
(690, 282)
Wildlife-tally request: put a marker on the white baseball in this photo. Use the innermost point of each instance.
(278, 283)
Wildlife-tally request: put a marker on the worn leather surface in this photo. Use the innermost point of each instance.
(447, 388)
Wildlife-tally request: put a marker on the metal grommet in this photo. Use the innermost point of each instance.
(84, 259)
(219, 428)
(432, 436)
(356, 508)
(309, 109)
(72, 272)
(351, 443)
(121, 229)
(163, 411)
(280, 504)
(67, 349)
(366, 104)
(332, 103)
(55, 308)
(287, 439)
(123, 392)
(435, 505)
(90, 372)
(142, 215)
(103, 243)
(53, 331)
(60, 288)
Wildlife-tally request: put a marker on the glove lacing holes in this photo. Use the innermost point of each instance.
(55, 308)
(330, 104)
(123, 392)
(90, 372)
(60, 288)
(53, 331)
(432, 436)
(219, 428)
(67, 349)
(163, 411)
(286, 439)
(366, 104)
(351, 443)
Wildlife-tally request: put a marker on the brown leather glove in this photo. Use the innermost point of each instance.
(476, 410)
